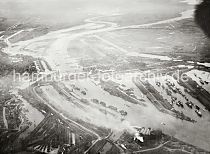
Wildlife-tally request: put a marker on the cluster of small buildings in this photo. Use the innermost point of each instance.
(2, 125)
(141, 133)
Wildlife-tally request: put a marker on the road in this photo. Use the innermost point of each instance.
(4, 118)
(161, 145)
(62, 116)
(152, 149)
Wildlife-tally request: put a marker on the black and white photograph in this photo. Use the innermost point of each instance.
(104, 76)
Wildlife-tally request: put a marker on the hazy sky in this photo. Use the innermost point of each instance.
(77, 10)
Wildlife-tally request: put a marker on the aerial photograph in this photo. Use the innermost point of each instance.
(104, 76)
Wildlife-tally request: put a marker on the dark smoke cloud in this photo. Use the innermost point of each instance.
(202, 16)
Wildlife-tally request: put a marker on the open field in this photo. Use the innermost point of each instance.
(83, 9)
(174, 39)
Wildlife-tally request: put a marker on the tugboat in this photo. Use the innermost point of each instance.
(197, 107)
(189, 104)
(198, 113)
